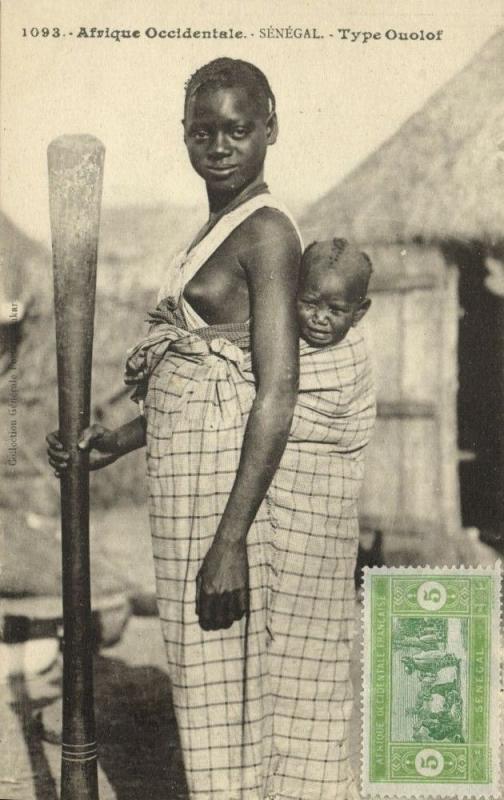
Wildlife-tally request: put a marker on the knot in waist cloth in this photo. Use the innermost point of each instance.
(206, 375)
(185, 377)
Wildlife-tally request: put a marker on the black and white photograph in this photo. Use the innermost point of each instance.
(251, 345)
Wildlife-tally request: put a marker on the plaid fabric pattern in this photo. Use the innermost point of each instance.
(262, 708)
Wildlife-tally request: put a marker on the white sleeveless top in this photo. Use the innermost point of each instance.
(185, 265)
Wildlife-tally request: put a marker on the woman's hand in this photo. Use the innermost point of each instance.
(222, 594)
(101, 443)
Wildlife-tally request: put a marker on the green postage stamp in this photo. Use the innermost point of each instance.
(431, 688)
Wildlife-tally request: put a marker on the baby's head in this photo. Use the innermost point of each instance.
(332, 294)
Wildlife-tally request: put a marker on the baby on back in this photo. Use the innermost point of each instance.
(331, 299)
(332, 294)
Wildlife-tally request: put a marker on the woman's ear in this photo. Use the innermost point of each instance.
(183, 125)
(272, 128)
(361, 311)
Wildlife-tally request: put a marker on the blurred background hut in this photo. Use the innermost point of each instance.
(428, 206)
(135, 244)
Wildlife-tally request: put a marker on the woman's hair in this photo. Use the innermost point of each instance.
(227, 73)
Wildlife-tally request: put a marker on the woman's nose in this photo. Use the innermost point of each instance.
(220, 144)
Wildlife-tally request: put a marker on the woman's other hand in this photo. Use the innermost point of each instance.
(99, 441)
(222, 593)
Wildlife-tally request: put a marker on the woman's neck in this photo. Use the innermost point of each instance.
(219, 203)
(256, 187)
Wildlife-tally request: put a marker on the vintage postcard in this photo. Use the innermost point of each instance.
(432, 695)
(196, 151)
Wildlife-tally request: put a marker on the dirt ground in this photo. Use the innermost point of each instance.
(138, 750)
(139, 755)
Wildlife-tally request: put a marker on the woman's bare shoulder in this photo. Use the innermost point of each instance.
(269, 225)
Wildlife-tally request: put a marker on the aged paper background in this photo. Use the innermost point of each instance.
(338, 100)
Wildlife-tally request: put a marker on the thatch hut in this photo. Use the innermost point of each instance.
(135, 245)
(428, 206)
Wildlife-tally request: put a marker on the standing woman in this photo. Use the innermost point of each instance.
(222, 364)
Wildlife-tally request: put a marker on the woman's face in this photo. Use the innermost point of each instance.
(226, 137)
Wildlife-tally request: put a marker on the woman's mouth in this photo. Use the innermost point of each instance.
(221, 172)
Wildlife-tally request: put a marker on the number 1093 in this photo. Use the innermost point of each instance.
(44, 32)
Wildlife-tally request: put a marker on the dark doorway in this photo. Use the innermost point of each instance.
(480, 403)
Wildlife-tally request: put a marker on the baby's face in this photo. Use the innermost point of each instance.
(326, 306)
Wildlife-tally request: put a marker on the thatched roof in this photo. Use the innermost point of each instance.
(137, 242)
(24, 269)
(440, 176)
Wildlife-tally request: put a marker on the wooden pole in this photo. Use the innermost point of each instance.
(75, 186)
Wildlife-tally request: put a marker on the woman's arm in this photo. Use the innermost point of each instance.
(271, 264)
(272, 267)
(119, 441)
(105, 446)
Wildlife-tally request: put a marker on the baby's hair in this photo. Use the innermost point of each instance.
(342, 250)
(227, 73)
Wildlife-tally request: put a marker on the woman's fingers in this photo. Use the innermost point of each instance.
(55, 448)
(56, 455)
(207, 610)
(92, 439)
(53, 441)
(219, 611)
(218, 616)
(239, 603)
(90, 435)
(234, 606)
(59, 453)
(57, 458)
(87, 438)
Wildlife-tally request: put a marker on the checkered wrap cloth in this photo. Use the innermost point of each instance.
(262, 707)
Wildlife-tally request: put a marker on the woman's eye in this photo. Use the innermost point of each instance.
(200, 135)
(239, 133)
